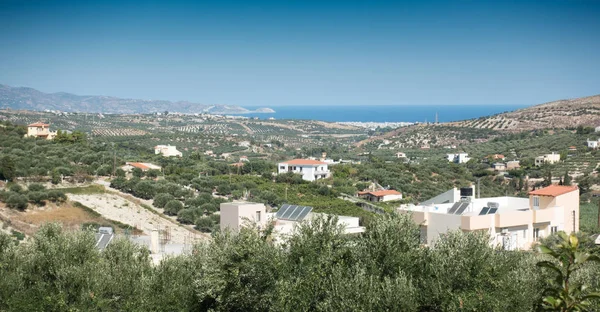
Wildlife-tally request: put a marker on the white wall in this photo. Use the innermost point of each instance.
(235, 215)
(391, 197)
(439, 223)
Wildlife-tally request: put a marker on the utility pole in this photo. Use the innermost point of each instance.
(599, 213)
(479, 187)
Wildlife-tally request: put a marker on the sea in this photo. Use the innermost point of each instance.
(385, 113)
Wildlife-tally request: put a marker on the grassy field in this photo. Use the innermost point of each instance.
(588, 218)
(86, 190)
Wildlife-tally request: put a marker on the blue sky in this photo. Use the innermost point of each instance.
(272, 53)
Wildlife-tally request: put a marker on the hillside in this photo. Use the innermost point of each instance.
(32, 99)
(583, 111)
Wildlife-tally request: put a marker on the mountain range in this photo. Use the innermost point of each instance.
(32, 99)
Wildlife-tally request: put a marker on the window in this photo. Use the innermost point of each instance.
(573, 218)
(525, 234)
(536, 234)
(300, 169)
(258, 216)
(282, 167)
(553, 230)
(536, 203)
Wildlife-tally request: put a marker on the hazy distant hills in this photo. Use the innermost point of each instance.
(583, 111)
(32, 99)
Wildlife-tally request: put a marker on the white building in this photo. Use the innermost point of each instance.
(512, 222)
(547, 159)
(458, 158)
(593, 144)
(236, 215)
(310, 170)
(381, 196)
(400, 155)
(597, 129)
(167, 150)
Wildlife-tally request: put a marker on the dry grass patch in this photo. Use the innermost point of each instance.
(69, 214)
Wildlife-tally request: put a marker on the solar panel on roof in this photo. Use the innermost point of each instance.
(304, 213)
(462, 208)
(292, 212)
(484, 211)
(493, 210)
(281, 210)
(289, 212)
(454, 208)
(296, 212)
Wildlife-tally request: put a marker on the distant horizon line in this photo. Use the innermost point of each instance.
(286, 105)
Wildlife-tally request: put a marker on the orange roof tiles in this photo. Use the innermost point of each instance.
(554, 190)
(138, 165)
(39, 124)
(304, 162)
(381, 193)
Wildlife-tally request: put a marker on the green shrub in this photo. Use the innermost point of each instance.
(173, 207)
(16, 188)
(38, 198)
(17, 201)
(36, 187)
(205, 224)
(161, 200)
(57, 196)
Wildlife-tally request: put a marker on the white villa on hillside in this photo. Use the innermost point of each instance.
(459, 158)
(547, 159)
(167, 150)
(593, 144)
(512, 222)
(40, 130)
(310, 170)
(236, 215)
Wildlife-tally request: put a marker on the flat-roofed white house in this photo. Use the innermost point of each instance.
(458, 158)
(381, 196)
(547, 159)
(512, 222)
(236, 215)
(40, 130)
(167, 150)
(592, 143)
(310, 170)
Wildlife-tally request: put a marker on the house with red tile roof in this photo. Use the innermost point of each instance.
(143, 166)
(311, 170)
(381, 196)
(40, 130)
